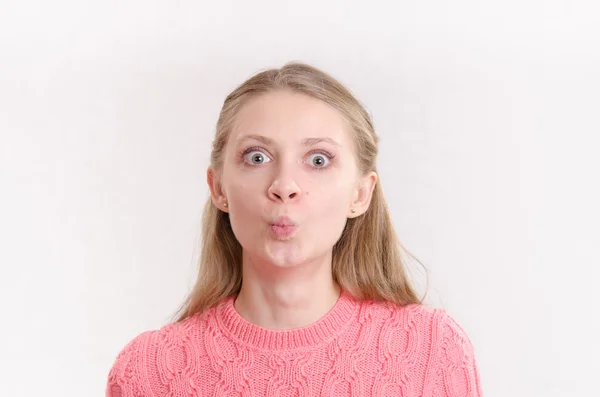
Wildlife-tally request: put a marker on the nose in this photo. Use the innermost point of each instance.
(284, 189)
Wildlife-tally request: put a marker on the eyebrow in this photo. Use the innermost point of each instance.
(306, 142)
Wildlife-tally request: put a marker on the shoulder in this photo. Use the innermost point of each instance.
(140, 363)
(414, 317)
(436, 334)
(447, 352)
(126, 376)
(453, 343)
(452, 366)
(436, 322)
(441, 329)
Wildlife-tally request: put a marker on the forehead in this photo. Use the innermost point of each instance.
(290, 117)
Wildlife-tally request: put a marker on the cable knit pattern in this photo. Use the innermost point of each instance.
(359, 348)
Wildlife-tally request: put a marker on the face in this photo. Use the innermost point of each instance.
(290, 179)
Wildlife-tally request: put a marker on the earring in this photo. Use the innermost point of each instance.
(225, 205)
(353, 210)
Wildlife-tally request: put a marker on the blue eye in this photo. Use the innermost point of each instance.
(256, 157)
(319, 160)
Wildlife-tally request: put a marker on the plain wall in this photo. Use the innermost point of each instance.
(488, 118)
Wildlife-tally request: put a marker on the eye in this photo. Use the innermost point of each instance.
(256, 157)
(318, 160)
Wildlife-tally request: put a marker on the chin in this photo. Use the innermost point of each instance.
(284, 257)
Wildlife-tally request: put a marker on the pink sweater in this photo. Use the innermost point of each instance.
(357, 349)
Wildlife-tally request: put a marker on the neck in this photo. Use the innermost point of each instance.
(287, 298)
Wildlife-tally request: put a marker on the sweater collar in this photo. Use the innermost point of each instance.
(254, 336)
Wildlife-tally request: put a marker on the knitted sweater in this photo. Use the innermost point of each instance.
(359, 348)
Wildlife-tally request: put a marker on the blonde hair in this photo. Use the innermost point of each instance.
(367, 259)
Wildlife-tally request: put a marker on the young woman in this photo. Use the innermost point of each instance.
(302, 289)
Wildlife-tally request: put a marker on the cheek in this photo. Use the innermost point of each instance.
(330, 198)
(328, 207)
(245, 198)
(241, 189)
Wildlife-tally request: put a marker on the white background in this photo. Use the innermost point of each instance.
(488, 117)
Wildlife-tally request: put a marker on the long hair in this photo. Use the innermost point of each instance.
(368, 259)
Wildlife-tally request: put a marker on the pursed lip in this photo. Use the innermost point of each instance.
(283, 221)
(283, 228)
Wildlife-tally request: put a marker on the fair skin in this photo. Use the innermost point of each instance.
(289, 160)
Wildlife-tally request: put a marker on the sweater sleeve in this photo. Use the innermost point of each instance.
(452, 369)
(126, 377)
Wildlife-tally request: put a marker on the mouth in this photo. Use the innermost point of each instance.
(283, 228)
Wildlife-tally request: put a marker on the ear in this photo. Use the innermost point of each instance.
(217, 195)
(363, 195)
